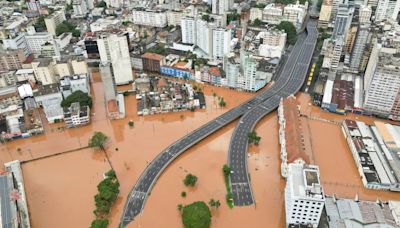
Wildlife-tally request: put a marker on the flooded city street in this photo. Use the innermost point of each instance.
(62, 187)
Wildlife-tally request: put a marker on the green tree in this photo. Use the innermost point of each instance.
(131, 123)
(226, 170)
(214, 203)
(76, 33)
(78, 96)
(257, 22)
(40, 25)
(99, 223)
(261, 5)
(196, 215)
(98, 140)
(101, 4)
(253, 137)
(221, 102)
(190, 180)
(183, 194)
(206, 17)
(232, 17)
(290, 30)
(180, 207)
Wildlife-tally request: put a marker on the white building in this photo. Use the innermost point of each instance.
(35, 41)
(387, 9)
(73, 83)
(114, 3)
(76, 115)
(359, 46)
(295, 13)
(221, 6)
(383, 88)
(188, 28)
(304, 196)
(272, 43)
(80, 8)
(174, 17)
(17, 42)
(49, 97)
(256, 13)
(365, 13)
(250, 82)
(204, 37)
(152, 18)
(221, 42)
(272, 13)
(232, 70)
(53, 21)
(113, 48)
(104, 24)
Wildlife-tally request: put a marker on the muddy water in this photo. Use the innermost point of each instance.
(205, 161)
(131, 148)
(60, 189)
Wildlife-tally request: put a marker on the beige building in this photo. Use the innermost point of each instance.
(44, 71)
(62, 69)
(53, 21)
(11, 59)
(325, 14)
(79, 67)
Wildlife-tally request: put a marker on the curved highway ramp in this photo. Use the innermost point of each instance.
(138, 195)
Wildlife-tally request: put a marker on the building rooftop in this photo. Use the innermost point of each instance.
(351, 213)
(305, 181)
(153, 56)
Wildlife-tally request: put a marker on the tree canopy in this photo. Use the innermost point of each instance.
(67, 26)
(253, 137)
(78, 96)
(196, 215)
(190, 180)
(98, 140)
(290, 30)
(232, 17)
(101, 4)
(40, 25)
(99, 223)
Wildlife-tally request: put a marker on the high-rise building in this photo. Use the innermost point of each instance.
(188, 28)
(221, 42)
(204, 36)
(365, 13)
(387, 9)
(343, 21)
(80, 8)
(359, 46)
(153, 18)
(249, 68)
(232, 70)
(295, 13)
(304, 195)
(382, 89)
(53, 21)
(18, 42)
(114, 49)
(221, 6)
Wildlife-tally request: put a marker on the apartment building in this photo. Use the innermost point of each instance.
(304, 195)
(221, 42)
(35, 41)
(273, 13)
(221, 6)
(73, 83)
(174, 17)
(188, 28)
(382, 91)
(387, 9)
(53, 21)
(11, 59)
(359, 46)
(114, 48)
(295, 13)
(204, 36)
(76, 115)
(44, 71)
(152, 18)
(80, 8)
(17, 42)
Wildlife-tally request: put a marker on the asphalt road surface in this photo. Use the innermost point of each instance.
(138, 195)
(291, 80)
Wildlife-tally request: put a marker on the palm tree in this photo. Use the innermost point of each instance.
(99, 140)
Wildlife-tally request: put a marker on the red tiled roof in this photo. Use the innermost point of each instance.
(112, 106)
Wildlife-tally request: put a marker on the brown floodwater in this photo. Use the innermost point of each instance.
(60, 189)
(76, 174)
